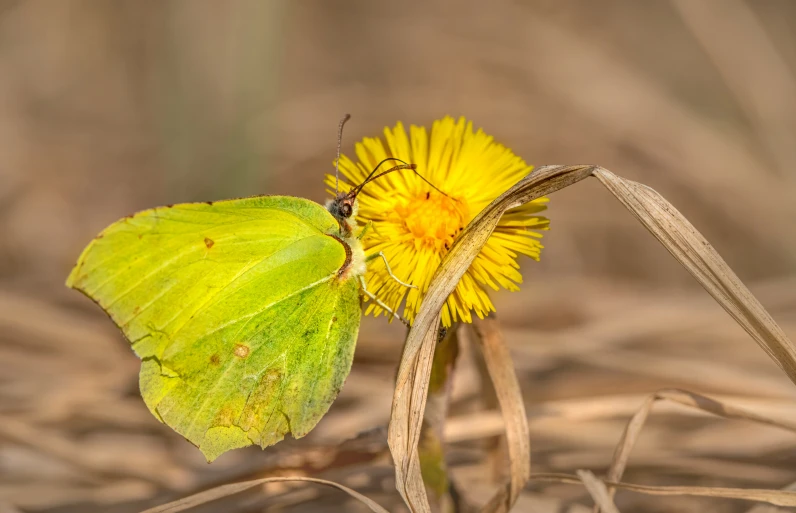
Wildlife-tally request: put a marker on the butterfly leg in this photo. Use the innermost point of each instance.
(389, 270)
(380, 302)
(365, 230)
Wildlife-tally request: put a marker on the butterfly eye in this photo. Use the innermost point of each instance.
(345, 209)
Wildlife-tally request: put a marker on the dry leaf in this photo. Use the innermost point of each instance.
(696, 254)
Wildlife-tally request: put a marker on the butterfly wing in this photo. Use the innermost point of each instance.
(245, 330)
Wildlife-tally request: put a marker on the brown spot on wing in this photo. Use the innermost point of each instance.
(348, 254)
(224, 416)
(241, 350)
(215, 359)
(209, 243)
(256, 411)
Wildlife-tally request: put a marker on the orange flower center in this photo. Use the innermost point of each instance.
(433, 220)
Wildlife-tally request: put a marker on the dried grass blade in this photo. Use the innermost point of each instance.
(720, 408)
(403, 435)
(431, 450)
(766, 508)
(697, 401)
(501, 371)
(775, 497)
(696, 254)
(232, 488)
(598, 491)
(626, 443)
(414, 370)
(682, 240)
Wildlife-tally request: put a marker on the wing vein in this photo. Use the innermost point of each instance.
(214, 297)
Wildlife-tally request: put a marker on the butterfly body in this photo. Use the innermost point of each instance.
(244, 312)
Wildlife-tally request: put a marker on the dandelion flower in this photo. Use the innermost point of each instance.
(415, 225)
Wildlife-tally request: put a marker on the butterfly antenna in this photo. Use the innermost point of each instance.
(346, 117)
(372, 176)
(404, 165)
(388, 159)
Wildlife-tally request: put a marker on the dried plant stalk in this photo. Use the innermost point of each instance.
(232, 488)
(690, 399)
(507, 388)
(599, 493)
(682, 240)
(775, 497)
(767, 508)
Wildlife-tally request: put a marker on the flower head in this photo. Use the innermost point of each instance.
(414, 225)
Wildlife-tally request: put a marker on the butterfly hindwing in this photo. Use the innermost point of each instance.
(236, 308)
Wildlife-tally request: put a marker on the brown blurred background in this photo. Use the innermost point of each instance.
(111, 107)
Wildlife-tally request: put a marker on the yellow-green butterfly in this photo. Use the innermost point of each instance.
(244, 312)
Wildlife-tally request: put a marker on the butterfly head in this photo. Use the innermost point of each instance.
(344, 207)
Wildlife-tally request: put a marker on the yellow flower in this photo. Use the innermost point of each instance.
(415, 225)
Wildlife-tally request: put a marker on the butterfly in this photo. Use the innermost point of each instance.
(244, 312)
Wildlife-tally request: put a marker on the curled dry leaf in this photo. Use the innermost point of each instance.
(411, 384)
(431, 448)
(232, 488)
(671, 229)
